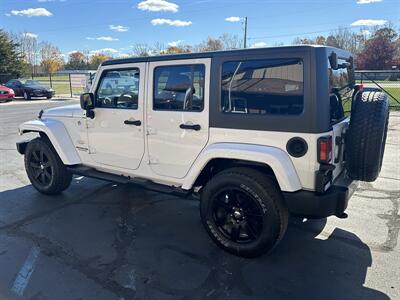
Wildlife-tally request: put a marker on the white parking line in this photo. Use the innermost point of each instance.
(38, 101)
(25, 272)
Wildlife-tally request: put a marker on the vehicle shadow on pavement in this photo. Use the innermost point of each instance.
(102, 241)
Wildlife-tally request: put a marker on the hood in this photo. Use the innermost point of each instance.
(4, 88)
(69, 111)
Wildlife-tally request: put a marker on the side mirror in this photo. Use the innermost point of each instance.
(333, 60)
(87, 103)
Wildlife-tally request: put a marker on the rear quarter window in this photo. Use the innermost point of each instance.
(263, 87)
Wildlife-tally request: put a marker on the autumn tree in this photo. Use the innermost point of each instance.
(51, 58)
(211, 44)
(379, 51)
(97, 59)
(76, 61)
(178, 49)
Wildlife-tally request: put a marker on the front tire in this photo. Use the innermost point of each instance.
(45, 169)
(27, 96)
(243, 211)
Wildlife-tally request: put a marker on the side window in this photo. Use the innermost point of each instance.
(179, 88)
(118, 89)
(264, 87)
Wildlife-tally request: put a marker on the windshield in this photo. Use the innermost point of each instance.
(30, 82)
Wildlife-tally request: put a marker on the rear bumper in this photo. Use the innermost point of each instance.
(333, 202)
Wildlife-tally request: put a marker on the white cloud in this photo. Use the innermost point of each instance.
(259, 45)
(367, 1)
(170, 22)
(233, 19)
(366, 32)
(119, 28)
(8, 15)
(103, 38)
(368, 22)
(158, 5)
(30, 35)
(107, 51)
(32, 12)
(174, 43)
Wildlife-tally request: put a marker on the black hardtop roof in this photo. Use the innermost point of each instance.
(248, 51)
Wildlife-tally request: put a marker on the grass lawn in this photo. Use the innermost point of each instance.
(60, 84)
(394, 95)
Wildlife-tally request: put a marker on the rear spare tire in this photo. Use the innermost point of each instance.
(366, 137)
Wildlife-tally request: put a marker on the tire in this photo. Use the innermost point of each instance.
(247, 199)
(366, 136)
(45, 169)
(27, 96)
(49, 97)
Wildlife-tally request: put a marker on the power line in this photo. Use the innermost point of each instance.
(296, 34)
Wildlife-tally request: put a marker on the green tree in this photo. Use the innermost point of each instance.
(12, 62)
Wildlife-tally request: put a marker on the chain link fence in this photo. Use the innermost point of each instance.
(65, 84)
(387, 81)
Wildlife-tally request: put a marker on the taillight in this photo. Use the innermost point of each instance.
(325, 149)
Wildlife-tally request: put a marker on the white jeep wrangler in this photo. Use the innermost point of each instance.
(255, 134)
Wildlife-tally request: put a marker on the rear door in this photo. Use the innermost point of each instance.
(177, 114)
(341, 88)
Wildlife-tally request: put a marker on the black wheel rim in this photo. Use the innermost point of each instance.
(40, 167)
(237, 215)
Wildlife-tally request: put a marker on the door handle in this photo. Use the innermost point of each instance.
(196, 127)
(133, 122)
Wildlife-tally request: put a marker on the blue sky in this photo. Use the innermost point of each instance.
(118, 24)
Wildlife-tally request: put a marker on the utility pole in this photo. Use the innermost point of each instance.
(245, 33)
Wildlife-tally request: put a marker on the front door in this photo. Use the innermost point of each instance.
(177, 114)
(116, 135)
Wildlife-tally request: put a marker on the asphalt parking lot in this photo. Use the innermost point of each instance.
(99, 240)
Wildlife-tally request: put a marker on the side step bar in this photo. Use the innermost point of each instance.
(144, 183)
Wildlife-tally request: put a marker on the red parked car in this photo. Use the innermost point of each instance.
(6, 94)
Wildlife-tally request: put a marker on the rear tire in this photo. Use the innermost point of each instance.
(366, 137)
(243, 211)
(45, 169)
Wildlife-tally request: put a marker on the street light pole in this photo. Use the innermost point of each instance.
(245, 33)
